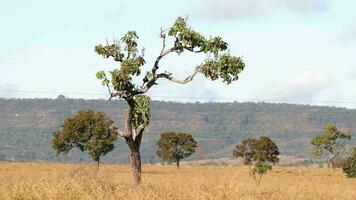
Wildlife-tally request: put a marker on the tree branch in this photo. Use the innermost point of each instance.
(167, 76)
(154, 76)
(163, 36)
(121, 133)
(137, 134)
(120, 94)
(162, 54)
(173, 79)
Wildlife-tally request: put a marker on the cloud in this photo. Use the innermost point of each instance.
(242, 9)
(304, 87)
(7, 90)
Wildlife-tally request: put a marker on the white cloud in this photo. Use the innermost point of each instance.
(240, 9)
(303, 5)
(304, 87)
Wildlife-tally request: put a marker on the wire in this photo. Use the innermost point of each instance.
(190, 98)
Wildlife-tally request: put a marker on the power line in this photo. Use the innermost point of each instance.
(189, 98)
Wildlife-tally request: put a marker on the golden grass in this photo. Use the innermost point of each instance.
(61, 181)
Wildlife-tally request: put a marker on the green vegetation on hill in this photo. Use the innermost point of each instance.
(26, 126)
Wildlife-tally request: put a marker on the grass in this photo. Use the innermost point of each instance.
(62, 181)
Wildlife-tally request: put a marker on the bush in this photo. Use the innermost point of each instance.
(349, 167)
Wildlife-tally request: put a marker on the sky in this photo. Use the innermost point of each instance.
(296, 51)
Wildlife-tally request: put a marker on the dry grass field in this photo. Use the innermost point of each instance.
(60, 181)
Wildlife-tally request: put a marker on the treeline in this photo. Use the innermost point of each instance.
(26, 126)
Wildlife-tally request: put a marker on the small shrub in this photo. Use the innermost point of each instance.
(260, 168)
(349, 167)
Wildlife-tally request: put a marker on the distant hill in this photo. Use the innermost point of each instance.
(26, 126)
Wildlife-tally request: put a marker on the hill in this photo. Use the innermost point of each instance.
(26, 126)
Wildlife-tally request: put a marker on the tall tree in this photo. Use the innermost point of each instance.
(173, 146)
(330, 140)
(219, 64)
(88, 131)
(260, 153)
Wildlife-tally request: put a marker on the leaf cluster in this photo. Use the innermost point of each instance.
(88, 131)
(330, 139)
(187, 38)
(261, 168)
(126, 53)
(223, 65)
(142, 111)
(175, 146)
(257, 150)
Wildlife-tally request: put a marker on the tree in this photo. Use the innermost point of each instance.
(261, 153)
(219, 64)
(330, 140)
(349, 167)
(88, 131)
(173, 147)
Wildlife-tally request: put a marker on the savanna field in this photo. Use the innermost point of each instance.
(74, 181)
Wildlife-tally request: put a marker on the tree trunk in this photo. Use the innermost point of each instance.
(133, 141)
(133, 144)
(330, 157)
(177, 162)
(97, 165)
(259, 180)
(135, 162)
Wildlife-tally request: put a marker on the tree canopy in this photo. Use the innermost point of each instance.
(219, 63)
(173, 147)
(88, 131)
(260, 153)
(330, 140)
(254, 150)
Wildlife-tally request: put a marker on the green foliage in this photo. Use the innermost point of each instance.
(89, 131)
(130, 62)
(142, 112)
(349, 167)
(173, 147)
(186, 38)
(260, 168)
(223, 65)
(260, 152)
(257, 150)
(330, 140)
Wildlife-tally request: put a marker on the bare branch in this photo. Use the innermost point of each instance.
(163, 36)
(163, 53)
(173, 79)
(109, 90)
(120, 94)
(168, 76)
(121, 133)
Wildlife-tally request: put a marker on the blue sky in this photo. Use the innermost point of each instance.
(295, 50)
